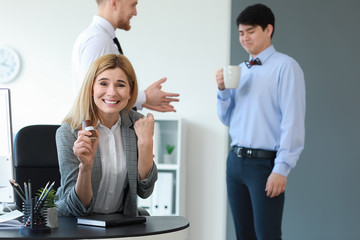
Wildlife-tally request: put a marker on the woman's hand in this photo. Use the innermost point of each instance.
(84, 149)
(144, 129)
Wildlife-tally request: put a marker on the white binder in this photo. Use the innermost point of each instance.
(162, 203)
(157, 143)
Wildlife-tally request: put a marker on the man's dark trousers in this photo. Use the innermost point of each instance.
(256, 216)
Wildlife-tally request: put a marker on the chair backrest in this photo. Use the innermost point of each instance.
(35, 157)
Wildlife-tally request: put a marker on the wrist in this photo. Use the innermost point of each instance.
(85, 168)
(145, 142)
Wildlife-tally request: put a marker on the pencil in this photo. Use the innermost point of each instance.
(26, 192)
(17, 191)
(41, 195)
(29, 186)
(18, 187)
(44, 190)
(42, 201)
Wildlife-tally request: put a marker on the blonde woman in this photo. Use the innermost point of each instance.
(106, 175)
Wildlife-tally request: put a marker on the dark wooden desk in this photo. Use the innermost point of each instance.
(156, 227)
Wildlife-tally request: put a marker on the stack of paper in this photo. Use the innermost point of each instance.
(8, 220)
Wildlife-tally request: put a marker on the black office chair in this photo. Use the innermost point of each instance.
(36, 158)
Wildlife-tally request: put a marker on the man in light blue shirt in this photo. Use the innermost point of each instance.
(265, 115)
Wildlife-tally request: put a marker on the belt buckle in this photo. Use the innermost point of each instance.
(249, 153)
(238, 152)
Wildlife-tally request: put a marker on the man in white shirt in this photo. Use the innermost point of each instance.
(99, 39)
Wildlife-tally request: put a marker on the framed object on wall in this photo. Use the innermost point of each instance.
(10, 64)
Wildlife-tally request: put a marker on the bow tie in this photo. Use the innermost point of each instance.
(253, 62)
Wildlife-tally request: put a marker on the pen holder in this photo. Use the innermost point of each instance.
(35, 218)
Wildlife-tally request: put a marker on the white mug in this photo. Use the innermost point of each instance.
(231, 76)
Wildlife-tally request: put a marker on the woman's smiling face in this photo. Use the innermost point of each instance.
(111, 93)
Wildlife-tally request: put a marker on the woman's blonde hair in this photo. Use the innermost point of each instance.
(84, 107)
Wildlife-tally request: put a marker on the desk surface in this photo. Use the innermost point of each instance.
(68, 229)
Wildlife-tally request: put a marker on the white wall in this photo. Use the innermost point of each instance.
(185, 41)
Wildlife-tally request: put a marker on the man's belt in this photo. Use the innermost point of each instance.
(253, 153)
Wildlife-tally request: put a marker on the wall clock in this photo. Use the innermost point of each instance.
(10, 64)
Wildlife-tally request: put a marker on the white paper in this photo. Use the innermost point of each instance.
(10, 216)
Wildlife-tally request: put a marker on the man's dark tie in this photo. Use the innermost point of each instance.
(116, 41)
(253, 62)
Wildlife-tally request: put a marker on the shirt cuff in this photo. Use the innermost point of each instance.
(141, 99)
(79, 208)
(146, 180)
(282, 169)
(223, 94)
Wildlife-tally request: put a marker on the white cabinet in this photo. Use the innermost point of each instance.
(168, 197)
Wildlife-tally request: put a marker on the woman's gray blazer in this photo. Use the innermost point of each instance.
(66, 199)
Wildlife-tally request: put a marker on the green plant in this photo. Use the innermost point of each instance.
(50, 199)
(169, 148)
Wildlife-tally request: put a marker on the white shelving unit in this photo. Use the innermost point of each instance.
(168, 197)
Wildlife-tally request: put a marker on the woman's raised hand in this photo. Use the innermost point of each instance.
(84, 149)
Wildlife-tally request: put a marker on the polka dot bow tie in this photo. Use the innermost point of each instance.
(253, 62)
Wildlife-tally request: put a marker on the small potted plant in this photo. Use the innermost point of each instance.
(52, 217)
(168, 158)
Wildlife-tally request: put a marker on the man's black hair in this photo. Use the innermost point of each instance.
(257, 14)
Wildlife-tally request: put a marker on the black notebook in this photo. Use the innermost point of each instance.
(109, 220)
